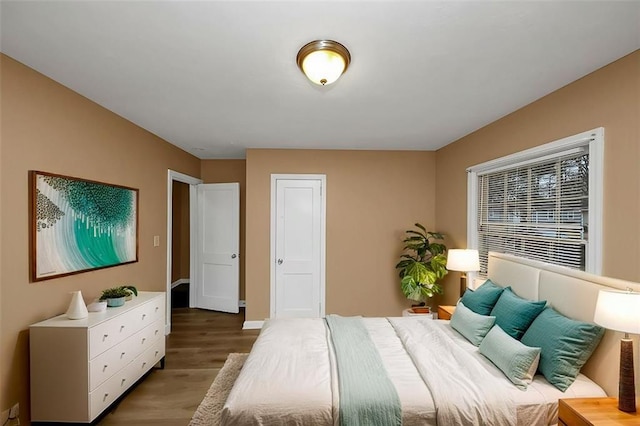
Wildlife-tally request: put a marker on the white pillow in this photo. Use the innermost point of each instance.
(471, 325)
(516, 360)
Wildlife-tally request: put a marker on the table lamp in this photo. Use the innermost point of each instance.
(463, 260)
(620, 311)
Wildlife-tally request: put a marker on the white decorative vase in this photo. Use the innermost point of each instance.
(77, 308)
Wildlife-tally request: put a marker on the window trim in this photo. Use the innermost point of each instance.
(594, 140)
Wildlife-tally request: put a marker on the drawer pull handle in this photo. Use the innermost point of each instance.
(156, 333)
(122, 355)
(104, 368)
(121, 328)
(143, 339)
(105, 337)
(143, 316)
(156, 353)
(122, 382)
(143, 364)
(156, 308)
(104, 398)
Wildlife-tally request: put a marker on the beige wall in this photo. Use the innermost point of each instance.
(47, 127)
(372, 198)
(609, 97)
(228, 171)
(180, 236)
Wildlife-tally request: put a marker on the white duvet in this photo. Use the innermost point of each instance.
(290, 378)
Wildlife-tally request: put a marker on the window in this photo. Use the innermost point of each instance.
(543, 204)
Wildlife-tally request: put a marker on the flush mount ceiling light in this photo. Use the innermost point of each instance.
(323, 61)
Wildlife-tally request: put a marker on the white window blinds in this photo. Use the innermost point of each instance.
(537, 209)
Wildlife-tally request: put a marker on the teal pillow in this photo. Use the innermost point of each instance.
(471, 325)
(517, 361)
(514, 314)
(481, 300)
(566, 345)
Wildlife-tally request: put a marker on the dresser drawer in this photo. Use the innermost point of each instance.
(152, 333)
(105, 394)
(108, 392)
(146, 360)
(149, 312)
(146, 337)
(110, 333)
(111, 361)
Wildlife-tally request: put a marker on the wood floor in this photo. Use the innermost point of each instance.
(196, 350)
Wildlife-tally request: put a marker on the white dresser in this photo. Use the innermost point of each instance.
(80, 367)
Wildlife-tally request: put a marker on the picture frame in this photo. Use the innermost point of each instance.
(79, 225)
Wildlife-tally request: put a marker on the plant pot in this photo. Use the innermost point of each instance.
(421, 310)
(115, 302)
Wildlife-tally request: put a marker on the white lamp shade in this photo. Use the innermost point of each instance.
(618, 310)
(465, 260)
(323, 66)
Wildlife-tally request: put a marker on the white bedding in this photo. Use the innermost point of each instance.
(538, 405)
(290, 378)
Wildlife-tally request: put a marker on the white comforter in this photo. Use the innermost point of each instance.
(290, 378)
(464, 392)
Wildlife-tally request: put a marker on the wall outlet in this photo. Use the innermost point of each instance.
(156, 240)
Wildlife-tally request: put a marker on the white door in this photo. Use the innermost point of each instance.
(217, 272)
(298, 255)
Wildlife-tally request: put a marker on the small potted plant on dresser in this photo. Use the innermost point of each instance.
(422, 265)
(116, 296)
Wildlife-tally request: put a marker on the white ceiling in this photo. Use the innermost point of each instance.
(216, 77)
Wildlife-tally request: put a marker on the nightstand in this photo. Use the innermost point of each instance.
(445, 312)
(593, 411)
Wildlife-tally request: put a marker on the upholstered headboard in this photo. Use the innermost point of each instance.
(573, 294)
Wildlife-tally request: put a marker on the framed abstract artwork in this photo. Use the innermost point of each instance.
(79, 225)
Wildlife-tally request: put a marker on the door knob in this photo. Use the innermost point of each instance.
(279, 261)
(233, 256)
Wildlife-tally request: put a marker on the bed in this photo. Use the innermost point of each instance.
(299, 372)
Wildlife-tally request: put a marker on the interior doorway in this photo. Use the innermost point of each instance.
(180, 247)
(191, 183)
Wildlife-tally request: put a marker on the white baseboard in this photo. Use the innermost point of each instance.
(252, 325)
(242, 304)
(176, 283)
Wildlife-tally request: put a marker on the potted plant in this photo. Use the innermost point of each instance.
(116, 296)
(422, 265)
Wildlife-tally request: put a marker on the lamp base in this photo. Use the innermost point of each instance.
(463, 283)
(627, 387)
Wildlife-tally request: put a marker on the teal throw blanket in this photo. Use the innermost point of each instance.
(367, 396)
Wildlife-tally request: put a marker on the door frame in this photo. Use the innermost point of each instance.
(323, 236)
(172, 176)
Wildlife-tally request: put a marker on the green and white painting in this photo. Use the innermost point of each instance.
(80, 225)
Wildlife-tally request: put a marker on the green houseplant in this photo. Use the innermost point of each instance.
(422, 264)
(116, 296)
